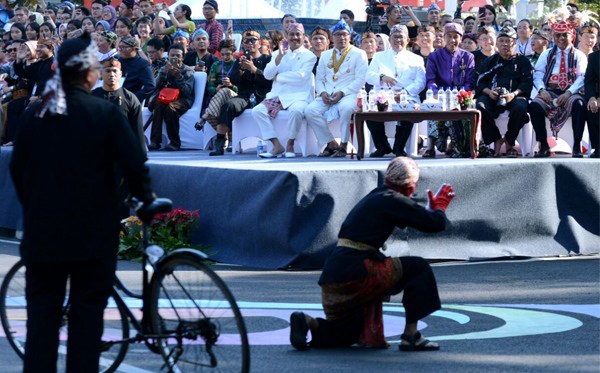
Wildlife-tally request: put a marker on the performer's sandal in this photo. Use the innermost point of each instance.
(512, 153)
(429, 153)
(327, 152)
(413, 346)
(340, 153)
(298, 331)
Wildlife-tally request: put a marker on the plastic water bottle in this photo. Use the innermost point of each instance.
(442, 97)
(454, 98)
(448, 99)
(372, 104)
(154, 253)
(390, 95)
(365, 100)
(429, 95)
(259, 148)
(253, 100)
(403, 96)
(360, 97)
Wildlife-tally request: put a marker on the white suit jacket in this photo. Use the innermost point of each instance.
(351, 75)
(294, 76)
(409, 66)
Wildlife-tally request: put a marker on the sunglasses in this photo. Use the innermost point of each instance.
(10, 50)
(250, 40)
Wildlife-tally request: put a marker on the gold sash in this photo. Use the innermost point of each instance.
(344, 242)
(337, 64)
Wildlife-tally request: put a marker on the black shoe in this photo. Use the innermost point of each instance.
(429, 153)
(219, 145)
(172, 148)
(543, 153)
(298, 331)
(199, 126)
(595, 154)
(153, 146)
(381, 152)
(577, 153)
(400, 153)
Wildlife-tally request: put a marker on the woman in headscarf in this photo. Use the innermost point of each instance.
(31, 54)
(109, 14)
(102, 25)
(383, 42)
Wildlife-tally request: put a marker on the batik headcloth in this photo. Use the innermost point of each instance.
(47, 42)
(110, 36)
(399, 28)
(251, 32)
(182, 33)
(340, 25)
(111, 62)
(293, 26)
(433, 6)
(200, 31)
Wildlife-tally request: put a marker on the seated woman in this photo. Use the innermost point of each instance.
(357, 277)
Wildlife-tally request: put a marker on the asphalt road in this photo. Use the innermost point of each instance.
(511, 316)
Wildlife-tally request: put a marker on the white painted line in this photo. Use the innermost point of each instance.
(516, 261)
(13, 242)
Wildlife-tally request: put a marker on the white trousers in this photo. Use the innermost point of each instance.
(295, 117)
(315, 116)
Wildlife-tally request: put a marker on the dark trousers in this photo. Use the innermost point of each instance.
(233, 108)
(14, 110)
(538, 120)
(420, 299)
(380, 140)
(90, 287)
(517, 118)
(171, 114)
(593, 122)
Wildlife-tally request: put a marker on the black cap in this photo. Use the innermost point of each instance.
(508, 32)
(212, 3)
(543, 34)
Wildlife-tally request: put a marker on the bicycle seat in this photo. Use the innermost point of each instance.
(148, 210)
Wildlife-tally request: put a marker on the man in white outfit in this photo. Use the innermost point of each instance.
(341, 74)
(396, 68)
(293, 90)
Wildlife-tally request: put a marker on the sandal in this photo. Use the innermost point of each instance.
(451, 152)
(200, 124)
(340, 153)
(512, 153)
(413, 346)
(327, 152)
(430, 153)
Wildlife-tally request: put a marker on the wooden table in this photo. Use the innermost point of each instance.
(415, 117)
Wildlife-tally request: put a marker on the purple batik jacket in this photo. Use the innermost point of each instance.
(447, 70)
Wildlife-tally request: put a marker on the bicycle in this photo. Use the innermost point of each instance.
(188, 315)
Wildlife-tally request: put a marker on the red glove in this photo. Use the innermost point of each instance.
(442, 198)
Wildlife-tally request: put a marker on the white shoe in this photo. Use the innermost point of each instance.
(269, 155)
(290, 155)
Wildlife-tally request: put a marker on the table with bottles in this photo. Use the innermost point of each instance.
(449, 110)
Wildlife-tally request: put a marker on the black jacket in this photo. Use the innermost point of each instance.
(515, 73)
(249, 83)
(40, 72)
(69, 192)
(592, 77)
(139, 79)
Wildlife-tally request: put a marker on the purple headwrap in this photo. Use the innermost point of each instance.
(113, 20)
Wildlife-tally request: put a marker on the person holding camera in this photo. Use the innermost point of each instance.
(505, 85)
(174, 96)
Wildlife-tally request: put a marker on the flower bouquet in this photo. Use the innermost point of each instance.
(382, 100)
(465, 99)
(170, 231)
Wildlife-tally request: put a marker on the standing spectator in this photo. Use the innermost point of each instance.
(126, 101)
(447, 18)
(175, 76)
(46, 30)
(433, 15)
(397, 69)
(341, 74)
(126, 9)
(80, 13)
(470, 25)
(439, 42)
(212, 26)
(511, 72)
(448, 67)
(425, 42)
(55, 235)
(109, 14)
(394, 16)
(147, 8)
(65, 16)
(592, 94)
(524, 32)
(588, 37)
(138, 73)
(50, 12)
(320, 38)
(348, 16)
(539, 43)
(559, 75)
(199, 58)
(291, 73)
(88, 25)
(32, 31)
(182, 38)
(156, 52)
(144, 29)
(22, 15)
(181, 19)
(97, 7)
(106, 42)
(17, 32)
(486, 17)
(286, 21)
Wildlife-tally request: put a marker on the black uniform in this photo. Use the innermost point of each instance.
(512, 74)
(592, 89)
(247, 84)
(71, 227)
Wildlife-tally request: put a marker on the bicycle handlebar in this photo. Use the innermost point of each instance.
(147, 211)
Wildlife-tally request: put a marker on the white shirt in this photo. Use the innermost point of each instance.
(350, 76)
(541, 65)
(524, 48)
(407, 68)
(295, 80)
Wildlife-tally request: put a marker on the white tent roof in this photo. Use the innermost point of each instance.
(333, 7)
(234, 9)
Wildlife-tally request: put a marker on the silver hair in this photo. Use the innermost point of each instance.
(402, 172)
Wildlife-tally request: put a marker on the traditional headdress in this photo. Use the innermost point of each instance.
(212, 3)
(399, 28)
(47, 42)
(561, 20)
(295, 26)
(200, 31)
(111, 62)
(181, 32)
(453, 27)
(251, 32)
(340, 25)
(433, 6)
(74, 55)
(110, 36)
(508, 32)
(131, 41)
(67, 3)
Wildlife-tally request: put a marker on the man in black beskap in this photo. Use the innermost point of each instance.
(512, 72)
(137, 71)
(39, 72)
(69, 197)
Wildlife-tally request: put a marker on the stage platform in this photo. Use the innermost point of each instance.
(286, 213)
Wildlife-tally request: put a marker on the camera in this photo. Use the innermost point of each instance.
(501, 101)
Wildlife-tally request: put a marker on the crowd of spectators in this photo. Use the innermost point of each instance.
(536, 72)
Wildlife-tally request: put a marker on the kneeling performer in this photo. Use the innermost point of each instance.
(357, 277)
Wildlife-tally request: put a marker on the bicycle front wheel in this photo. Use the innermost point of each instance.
(196, 318)
(13, 314)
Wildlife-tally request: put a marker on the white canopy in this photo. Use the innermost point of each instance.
(234, 9)
(333, 7)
